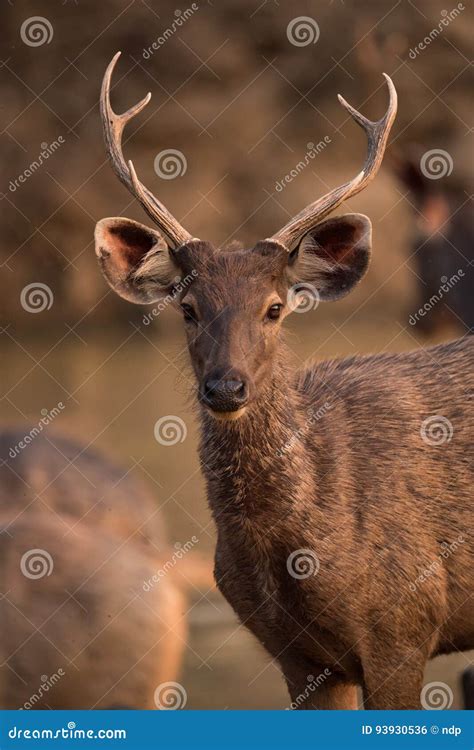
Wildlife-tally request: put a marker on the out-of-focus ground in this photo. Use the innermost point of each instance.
(241, 103)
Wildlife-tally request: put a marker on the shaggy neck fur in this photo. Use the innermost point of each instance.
(256, 466)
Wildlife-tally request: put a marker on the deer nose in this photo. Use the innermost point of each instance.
(225, 394)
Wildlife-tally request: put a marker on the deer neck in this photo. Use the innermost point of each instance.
(258, 464)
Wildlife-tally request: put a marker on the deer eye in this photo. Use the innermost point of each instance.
(189, 313)
(274, 311)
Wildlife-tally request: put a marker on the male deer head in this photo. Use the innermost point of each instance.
(234, 307)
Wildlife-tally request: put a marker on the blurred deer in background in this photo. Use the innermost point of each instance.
(442, 251)
(80, 539)
(324, 525)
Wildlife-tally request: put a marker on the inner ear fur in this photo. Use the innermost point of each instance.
(135, 260)
(333, 256)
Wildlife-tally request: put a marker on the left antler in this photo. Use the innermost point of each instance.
(113, 126)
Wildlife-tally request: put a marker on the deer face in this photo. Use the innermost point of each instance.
(233, 302)
(232, 314)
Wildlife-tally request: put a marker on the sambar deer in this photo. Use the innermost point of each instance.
(442, 247)
(93, 599)
(325, 524)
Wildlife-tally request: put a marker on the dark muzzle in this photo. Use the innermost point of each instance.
(225, 394)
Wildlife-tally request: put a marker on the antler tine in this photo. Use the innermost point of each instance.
(113, 127)
(377, 136)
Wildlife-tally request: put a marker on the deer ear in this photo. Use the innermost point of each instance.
(135, 260)
(332, 257)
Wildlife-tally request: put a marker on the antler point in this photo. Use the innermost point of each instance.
(343, 101)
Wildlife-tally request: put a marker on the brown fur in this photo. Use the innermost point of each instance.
(374, 502)
(113, 641)
(331, 459)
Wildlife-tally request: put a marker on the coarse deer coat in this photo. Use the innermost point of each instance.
(341, 492)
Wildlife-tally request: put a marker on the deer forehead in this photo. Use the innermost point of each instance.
(235, 264)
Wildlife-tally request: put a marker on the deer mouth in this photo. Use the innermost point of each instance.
(227, 416)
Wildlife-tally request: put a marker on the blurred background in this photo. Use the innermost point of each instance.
(243, 129)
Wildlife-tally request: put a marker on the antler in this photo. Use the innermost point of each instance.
(113, 126)
(377, 135)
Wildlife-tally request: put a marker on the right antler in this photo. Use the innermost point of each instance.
(377, 134)
(113, 126)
